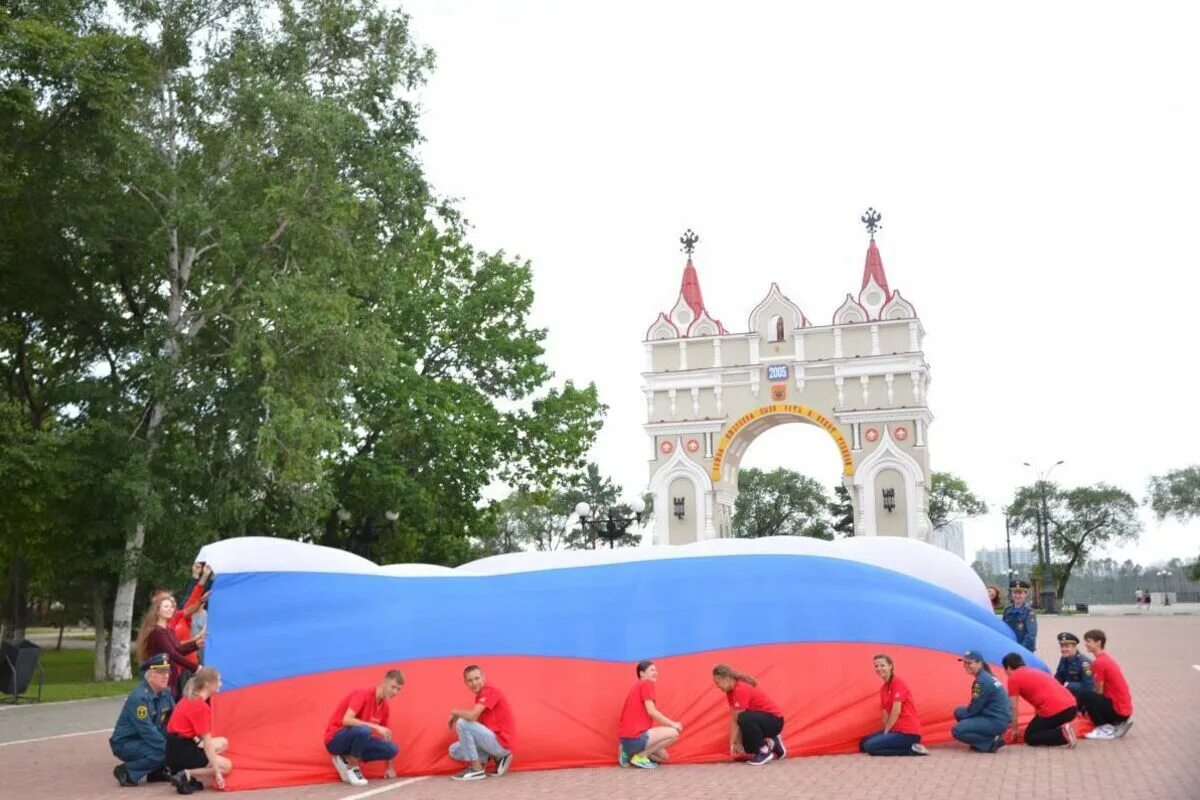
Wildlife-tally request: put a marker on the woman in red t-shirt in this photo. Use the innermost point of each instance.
(756, 724)
(192, 751)
(640, 741)
(901, 732)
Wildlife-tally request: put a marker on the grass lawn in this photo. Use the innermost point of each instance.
(69, 677)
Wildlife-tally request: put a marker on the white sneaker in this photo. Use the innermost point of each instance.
(502, 764)
(920, 749)
(343, 769)
(356, 776)
(1103, 732)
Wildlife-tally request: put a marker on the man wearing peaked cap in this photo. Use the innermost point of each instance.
(1020, 617)
(139, 738)
(1074, 669)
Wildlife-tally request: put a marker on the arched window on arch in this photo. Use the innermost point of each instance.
(777, 333)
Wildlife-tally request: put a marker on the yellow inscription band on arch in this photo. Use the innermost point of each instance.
(781, 408)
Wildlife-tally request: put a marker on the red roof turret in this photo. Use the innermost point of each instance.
(874, 269)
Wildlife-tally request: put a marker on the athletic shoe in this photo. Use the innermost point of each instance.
(355, 776)
(761, 758)
(183, 782)
(1068, 732)
(920, 749)
(122, 776)
(1122, 728)
(502, 764)
(641, 761)
(196, 785)
(622, 757)
(1103, 732)
(469, 774)
(160, 775)
(343, 769)
(780, 751)
(997, 743)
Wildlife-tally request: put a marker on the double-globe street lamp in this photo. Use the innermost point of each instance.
(1163, 574)
(610, 526)
(363, 534)
(1048, 599)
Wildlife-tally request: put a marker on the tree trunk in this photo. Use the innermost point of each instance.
(122, 624)
(18, 571)
(100, 654)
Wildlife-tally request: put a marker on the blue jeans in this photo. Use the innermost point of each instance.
(359, 743)
(979, 732)
(889, 744)
(140, 758)
(476, 742)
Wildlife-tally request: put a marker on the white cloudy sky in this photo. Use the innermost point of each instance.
(1036, 165)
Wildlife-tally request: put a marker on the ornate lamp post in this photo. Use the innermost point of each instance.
(365, 532)
(610, 526)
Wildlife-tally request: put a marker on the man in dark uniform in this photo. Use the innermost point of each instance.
(1074, 671)
(139, 738)
(1021, 618)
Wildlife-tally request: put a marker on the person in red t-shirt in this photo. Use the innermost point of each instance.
(1110, 706)
(640, 741)
(485, 730)
(192, 751)
(1053, 704)
(901, 732)
(358, 730)
(756, 723)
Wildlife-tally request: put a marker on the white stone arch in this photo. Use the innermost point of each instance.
(888, 455)
(680, 465)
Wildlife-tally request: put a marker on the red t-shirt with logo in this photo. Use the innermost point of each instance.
(365, 707)
(1105, 670)
(908, 721)
(1047, 696)
(192, 717)
(745, 697)
(497, 715)
(634, 718)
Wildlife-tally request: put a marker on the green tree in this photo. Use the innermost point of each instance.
(270, 316)
(842, 511)
(1176, 494)
(1080, 521)
(781, 502)
(950, 499)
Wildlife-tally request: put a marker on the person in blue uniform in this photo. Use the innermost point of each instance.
(1074, 671)
(139, 738)
(982, 723)
(1020, 617)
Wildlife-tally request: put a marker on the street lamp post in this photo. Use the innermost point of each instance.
(364, 532)
(1163, 575)
(1048, 598)
(610, 526)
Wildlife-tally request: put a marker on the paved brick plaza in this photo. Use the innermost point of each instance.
(1156, 761)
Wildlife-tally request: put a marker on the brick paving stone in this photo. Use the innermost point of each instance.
(1156, 761)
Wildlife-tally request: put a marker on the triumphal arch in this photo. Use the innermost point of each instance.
(862, 378)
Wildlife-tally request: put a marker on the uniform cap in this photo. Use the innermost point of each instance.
(156, 662)
(1018, 585)
(1068, 637)
(971, 655)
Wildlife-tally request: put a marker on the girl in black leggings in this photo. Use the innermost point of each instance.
(756, 724)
